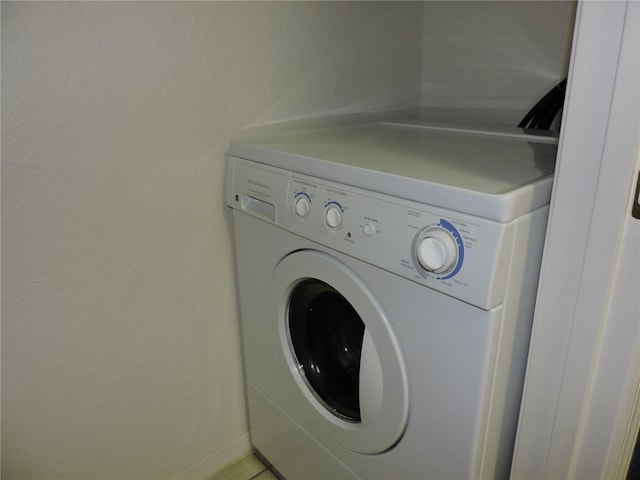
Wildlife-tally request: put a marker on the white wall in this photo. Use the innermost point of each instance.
(491, 61)
(120, 350)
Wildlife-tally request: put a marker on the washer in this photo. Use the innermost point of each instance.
(387, 277)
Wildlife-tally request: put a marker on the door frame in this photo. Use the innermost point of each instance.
(575, 336)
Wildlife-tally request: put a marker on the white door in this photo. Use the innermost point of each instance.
(332, 338)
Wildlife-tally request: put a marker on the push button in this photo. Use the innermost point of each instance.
(369, 229)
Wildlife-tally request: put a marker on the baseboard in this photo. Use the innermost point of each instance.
(220, 458)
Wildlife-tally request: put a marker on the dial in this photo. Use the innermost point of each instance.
(333, 217)
(302, 206)
(437, 250)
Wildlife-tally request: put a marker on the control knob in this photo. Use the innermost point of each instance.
(302, 207)
(333, 217)
(437, 250)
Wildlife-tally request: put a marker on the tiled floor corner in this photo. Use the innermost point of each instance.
(249, 468)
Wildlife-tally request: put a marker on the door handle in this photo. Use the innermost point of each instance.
(371, 381)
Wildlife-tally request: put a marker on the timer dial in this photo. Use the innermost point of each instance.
(437, 250)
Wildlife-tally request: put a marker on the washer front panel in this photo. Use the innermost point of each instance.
(447, 348)
(383, 230)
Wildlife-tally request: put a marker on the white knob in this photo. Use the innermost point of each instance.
(333, 217)
(369, 229)
(437, 251)
(302, 207)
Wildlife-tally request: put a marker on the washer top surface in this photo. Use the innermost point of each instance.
(491, 176)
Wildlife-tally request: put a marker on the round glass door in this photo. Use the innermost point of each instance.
(326, 335)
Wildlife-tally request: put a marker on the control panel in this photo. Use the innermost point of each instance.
(457, 254)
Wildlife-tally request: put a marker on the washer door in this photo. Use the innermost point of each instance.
(336, 343)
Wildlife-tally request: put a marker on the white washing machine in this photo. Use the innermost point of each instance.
(387, 277)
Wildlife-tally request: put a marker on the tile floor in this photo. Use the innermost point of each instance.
(249, 468)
